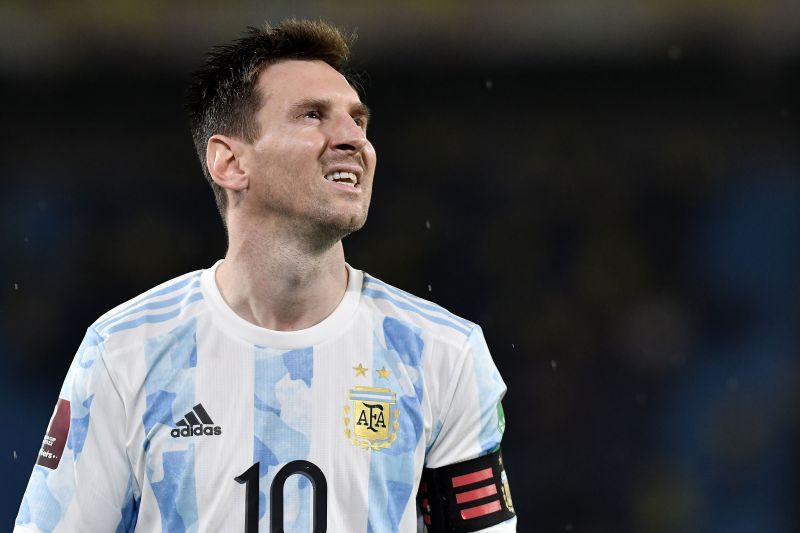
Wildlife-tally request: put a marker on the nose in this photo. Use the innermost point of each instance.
(347, 136)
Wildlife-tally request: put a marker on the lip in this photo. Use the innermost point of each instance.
(346, 188)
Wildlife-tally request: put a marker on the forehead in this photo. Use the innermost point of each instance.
(292, 80)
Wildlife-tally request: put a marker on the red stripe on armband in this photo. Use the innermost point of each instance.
(469, 479)
(476, 494)
(481, 510)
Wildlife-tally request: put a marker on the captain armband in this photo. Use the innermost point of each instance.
(465, 496)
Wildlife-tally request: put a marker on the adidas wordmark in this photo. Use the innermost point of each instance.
(195, 423)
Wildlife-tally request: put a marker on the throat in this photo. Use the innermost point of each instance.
(281, 294)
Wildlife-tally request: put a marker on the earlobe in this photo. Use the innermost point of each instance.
(224, 165)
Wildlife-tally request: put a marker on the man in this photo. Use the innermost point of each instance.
(193, 406)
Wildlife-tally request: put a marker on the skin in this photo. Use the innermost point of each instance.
(284, 269)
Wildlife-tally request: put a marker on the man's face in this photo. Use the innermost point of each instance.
(312, 165)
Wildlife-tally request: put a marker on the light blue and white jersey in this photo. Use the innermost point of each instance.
(177, 415)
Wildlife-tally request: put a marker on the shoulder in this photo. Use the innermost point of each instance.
(431, 319)
(166, 312)
(162, 304)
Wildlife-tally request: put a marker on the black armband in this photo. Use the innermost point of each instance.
(465, 496)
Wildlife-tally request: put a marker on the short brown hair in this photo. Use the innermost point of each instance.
(223, 98)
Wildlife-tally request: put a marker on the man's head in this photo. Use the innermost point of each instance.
(275, 107)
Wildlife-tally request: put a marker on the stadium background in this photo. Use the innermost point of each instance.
(612, 189)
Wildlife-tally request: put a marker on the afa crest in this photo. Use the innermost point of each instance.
(372, 419)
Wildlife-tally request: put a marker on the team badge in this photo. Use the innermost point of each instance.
(372, 418)
(506, 490)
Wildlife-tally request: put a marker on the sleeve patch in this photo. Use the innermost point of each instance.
(56, 437)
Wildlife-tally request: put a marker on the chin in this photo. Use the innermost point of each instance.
(329, 231)
(349, 226)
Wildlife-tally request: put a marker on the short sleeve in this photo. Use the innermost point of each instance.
(471, 423)
(82, 479)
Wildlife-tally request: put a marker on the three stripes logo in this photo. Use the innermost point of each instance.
(195, 423)
(478, 487)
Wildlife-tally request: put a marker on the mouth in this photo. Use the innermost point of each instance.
(343, 177)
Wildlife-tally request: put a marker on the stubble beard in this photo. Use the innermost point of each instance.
(327, 228)
(315, 224)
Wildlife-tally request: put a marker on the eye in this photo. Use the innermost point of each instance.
(360, 121)
(312, 114)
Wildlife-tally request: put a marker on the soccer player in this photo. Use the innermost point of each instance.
(282, 387)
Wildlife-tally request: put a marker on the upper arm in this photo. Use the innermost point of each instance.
(470, 422)
(464, 485)
(82, 478)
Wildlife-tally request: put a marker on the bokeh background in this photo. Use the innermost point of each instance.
(611, 189)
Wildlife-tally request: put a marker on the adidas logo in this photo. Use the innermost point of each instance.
(195, 423)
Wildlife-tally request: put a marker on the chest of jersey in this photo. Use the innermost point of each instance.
(222, 419)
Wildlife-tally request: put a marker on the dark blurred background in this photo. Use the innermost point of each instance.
(611, 189)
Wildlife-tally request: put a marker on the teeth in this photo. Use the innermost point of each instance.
(342, 177)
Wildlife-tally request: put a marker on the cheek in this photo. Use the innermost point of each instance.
(370, 156)
(285, 145)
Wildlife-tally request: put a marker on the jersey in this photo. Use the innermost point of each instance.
(178, 415)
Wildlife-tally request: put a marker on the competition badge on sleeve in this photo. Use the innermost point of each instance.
(56, 437)
(372, 418)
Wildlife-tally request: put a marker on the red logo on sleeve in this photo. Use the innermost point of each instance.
(56, 438)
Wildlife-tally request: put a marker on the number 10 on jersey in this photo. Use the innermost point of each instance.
(249, 478)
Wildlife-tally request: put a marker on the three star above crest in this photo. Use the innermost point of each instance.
(361, 370)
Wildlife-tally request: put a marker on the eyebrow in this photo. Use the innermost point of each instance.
(358, 109)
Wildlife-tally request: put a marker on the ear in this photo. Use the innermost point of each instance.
(224, 164)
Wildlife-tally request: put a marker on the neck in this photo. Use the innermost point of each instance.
(279, 282)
